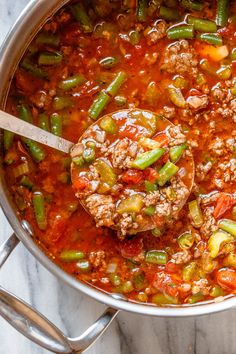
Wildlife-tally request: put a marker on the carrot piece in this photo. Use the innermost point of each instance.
(224, 203)
(212, 52)
(132, 176)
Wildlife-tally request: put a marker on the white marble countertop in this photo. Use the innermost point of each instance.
(73, 312)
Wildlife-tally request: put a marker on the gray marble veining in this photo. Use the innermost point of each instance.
(73, 312)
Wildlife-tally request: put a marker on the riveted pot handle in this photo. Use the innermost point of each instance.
(36, 327)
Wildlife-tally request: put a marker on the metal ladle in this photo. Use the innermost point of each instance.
(22, 128)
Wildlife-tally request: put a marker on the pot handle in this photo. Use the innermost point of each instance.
(36, 327)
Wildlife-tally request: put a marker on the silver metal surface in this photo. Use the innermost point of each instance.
(26, 27)
(27, 130)
(36, 327)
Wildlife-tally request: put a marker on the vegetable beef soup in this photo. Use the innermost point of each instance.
(176, 59)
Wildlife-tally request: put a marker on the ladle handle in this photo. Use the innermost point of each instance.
(39, 329)
(27, 130)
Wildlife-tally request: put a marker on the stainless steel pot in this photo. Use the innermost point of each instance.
(19, 314)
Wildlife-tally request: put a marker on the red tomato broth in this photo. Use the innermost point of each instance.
(76, 230)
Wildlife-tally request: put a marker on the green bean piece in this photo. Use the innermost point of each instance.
(228, 226)
(140, 281)
(212, 38)
(127, 287)
(134, 37)
(108, 125)
(98, 105)
(217, 291)
(195, 298)
(176, 96)
(8, 138)
(61, 102)
(186, 240)
(164, 299)
(150, 211)
(35, 149)
(44, 122)
(82, 17)
(50, 58)
(115, 85)
(109, 62)
(166, 173)
(195, 213)
(83, 265)
(72, 82)
(78, 161)
(202, 25)
(56, 124)
(156, 257)
(71, 255)
(120, 101)
(141, 12)
(33, 69)
(177, 151)
(225, 72)
(26, 182)
(156, 232)
(222, 12)
(48, 38)
(233, 54)
(147, 158)
(180, 32)
(25, 113)
(115, 279)
(192, 5)
(39, 210)
(150, 187)
(89, 155)
(169, 14)
(216, 240)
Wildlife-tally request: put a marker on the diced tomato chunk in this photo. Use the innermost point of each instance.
(224, 203)
(163, 282)
(151, 174)
(131, 248)
(132, 176)
(81, 183)
(226, 278)
(162, 139)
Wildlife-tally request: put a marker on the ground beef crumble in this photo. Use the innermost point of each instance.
(180, 58)
(102, 208)
(123, 152)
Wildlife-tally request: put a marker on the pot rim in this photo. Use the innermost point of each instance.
(14, 46)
